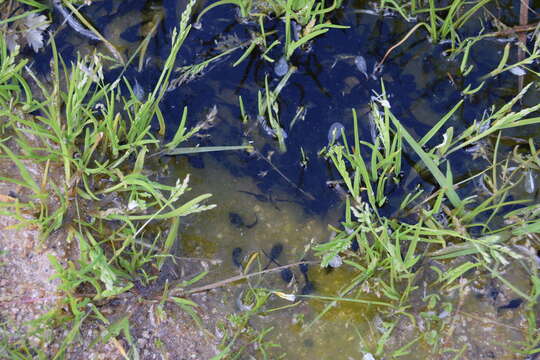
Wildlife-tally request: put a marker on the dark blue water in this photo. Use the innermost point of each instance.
(421, 80)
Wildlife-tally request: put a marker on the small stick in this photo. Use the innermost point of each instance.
(221, 283)
(523, 20)
(306, 194)
(380, 63)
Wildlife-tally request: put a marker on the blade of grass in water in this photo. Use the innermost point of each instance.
(443, 181)
(204, 149)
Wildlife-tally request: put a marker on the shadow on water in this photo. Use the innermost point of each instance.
(257, 208)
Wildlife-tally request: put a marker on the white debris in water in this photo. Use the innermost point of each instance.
(379, 324)
(530, 186)
(297, 28)
(281, 67)
(361, 65)
(132, 205)
(334, 133)
(368, 356)
(518, 71)
(443, 314)
(288, 297)
(373, 131)
(336, 261)
(138, 91)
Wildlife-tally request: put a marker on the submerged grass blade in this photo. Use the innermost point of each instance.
(205, 149)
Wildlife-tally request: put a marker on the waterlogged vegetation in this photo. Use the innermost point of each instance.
(269, 179)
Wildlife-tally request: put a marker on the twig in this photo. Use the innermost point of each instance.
(380, 63)
(221, 283)
(523, 20)
(305, 193)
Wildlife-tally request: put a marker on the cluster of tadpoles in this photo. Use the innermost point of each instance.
(286, 273)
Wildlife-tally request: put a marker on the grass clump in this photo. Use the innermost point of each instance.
(463, 234)
(93, 141)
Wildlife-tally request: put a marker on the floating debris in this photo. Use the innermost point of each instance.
(288, 297)
(368, 356)
(281, 67)
(297, 28)
(373, 131)
(334, 133)
(443, 314)
(518, 71)
(530, 186)
(268, 130)
(73, 23)
(138, 91)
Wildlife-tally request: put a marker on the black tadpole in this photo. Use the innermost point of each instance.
(512, 304)
(237, 220)
(304, 268)
(286, 275)
(354, 245)
(276, 251)
(308, 288)
(237, 257)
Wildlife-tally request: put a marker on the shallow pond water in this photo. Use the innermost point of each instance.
(268, 197)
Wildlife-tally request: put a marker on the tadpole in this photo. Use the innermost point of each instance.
(512, 304)
(286, 275)
(237, 257)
